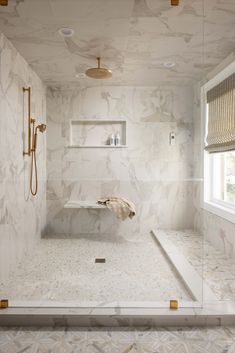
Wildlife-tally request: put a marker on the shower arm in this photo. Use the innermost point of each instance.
(30, 121)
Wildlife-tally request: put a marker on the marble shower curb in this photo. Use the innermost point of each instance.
(212, 314)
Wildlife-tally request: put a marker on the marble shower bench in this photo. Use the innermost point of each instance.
(84, 204)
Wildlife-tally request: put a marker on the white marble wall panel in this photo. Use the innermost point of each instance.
(157, 177)
(22, 217)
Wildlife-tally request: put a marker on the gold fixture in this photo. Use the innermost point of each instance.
(32, 143)
(174, 304)
(174, 2)
(4, 304)
(99, 72)
(3, 2)
(28, 152)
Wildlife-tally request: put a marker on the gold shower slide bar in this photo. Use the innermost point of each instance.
(28, 152)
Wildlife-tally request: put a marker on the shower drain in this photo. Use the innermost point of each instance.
(100, 260)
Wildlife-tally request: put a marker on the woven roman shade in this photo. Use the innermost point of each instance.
(221, 116)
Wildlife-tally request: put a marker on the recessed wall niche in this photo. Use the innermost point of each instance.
(91, 133)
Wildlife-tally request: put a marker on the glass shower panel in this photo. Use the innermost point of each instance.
(137, 137)
(156, 256)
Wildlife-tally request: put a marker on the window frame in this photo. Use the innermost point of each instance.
(218, 207)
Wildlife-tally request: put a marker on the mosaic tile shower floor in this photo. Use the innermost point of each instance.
(64, 269)
(160, 340)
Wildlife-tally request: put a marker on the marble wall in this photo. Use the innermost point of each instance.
(219, 231)
(157, 177)
(22, 217)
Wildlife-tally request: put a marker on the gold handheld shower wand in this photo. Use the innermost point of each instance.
(32, 144)
(33, 168)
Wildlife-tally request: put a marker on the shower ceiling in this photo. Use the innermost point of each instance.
(134, 38)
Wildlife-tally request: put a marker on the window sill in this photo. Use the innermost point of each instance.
(219, 210)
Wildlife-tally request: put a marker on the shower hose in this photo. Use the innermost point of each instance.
(33, 170)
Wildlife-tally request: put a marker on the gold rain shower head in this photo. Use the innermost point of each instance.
(3, 2)
(174, 2)
(99, 72)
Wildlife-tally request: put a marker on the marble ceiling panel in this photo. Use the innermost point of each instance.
(133, 37)
(91, 9)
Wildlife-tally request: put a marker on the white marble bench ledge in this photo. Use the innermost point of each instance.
(83, 204)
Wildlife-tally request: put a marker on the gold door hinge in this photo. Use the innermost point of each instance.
(174, 305)
(3, 2)
(4, 304)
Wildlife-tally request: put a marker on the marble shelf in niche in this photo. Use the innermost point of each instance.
(95, 133)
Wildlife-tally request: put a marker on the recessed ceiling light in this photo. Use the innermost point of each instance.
(80, 75)
(66, 32)
(169, 64)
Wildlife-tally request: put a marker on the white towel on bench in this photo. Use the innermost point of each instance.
(121, 207)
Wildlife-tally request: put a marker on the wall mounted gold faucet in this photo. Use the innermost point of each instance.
(32, 143)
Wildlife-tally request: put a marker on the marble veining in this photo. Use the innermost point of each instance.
(216, 268)
(134, 38)
(118, 340)
(22, 217)
(155, 176)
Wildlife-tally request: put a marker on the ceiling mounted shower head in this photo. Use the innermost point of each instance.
(174, 2)
(4, 2)
(99, 72)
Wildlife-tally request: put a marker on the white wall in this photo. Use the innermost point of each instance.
(157, 177)
(22, 217)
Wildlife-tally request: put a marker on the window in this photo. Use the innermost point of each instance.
(222, 178)
(219, 168)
